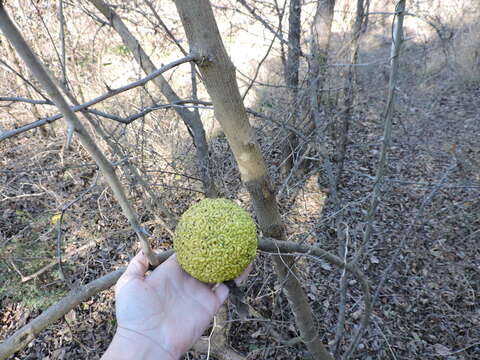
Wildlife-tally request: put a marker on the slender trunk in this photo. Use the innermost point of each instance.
(291, 79)
(320, 46)
(191, 119)
(387, 127)
(219, 77)
(321, 31)
(342, 129)
(293, 56)
(349, 93)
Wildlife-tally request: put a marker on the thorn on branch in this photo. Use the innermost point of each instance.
(203, 60)
(70, 131)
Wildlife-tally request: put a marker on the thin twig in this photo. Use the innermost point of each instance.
(387, 132)
(47, 30)
(61, 35)
(55, 262)
(28, 82)
(165, 27)
(257, 71)
(340, 330)
(298, 162)
(386, 340)
(22, 99)
(264, 22)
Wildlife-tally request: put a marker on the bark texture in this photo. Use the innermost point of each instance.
(218, 74)
(293, 56)
(322, 30)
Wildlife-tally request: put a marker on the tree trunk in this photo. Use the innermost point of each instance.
(219, 77)
(342, 128)
(293, 56)
(291, 79)
(320, 46)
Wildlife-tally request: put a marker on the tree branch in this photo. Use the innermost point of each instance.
(22, 99)
(109, 94)
(40, 73)
(264, 22)
(397, 39)
(129, 119)
(27, 333)
(17, 73)
(382, 162)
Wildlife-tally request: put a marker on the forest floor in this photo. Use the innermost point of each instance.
(427, 226)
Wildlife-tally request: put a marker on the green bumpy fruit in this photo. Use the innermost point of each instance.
(215, 240)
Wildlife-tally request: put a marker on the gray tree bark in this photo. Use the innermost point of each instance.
(293, 55)
(219, 77)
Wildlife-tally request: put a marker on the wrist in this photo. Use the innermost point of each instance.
(127, 344)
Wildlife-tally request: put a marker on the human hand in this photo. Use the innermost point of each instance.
(163, 313)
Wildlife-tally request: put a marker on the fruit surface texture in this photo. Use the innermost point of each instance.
(215, 240)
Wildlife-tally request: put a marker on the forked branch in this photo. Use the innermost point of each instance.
(190, 118)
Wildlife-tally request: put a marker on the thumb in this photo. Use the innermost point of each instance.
(137, 268)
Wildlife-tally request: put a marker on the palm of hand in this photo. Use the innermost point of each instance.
(167, 308)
